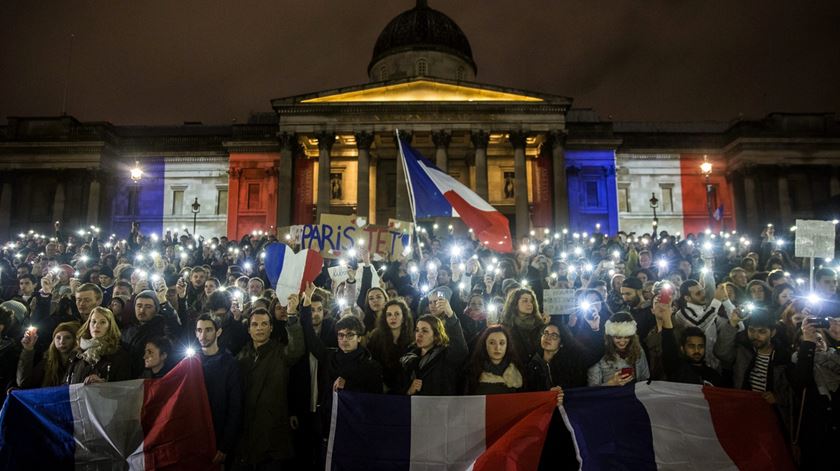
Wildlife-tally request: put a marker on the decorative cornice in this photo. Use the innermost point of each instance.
(442, 138)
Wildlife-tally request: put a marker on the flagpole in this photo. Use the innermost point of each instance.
(410, 193)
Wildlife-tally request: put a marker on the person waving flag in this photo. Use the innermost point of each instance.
(434, 193)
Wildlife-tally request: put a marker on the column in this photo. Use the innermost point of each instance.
(325, 143)
(364, 140)
(785, 208)
(58, 201)
(6, 206)
(93, 198)
(441, 140)
(285, 171)
(523, 216)
(750, 202)
(558, 169)
(480, 139)
(834, 184)
(403, 203)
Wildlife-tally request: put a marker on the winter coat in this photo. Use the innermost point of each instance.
(679, 369)
(383, 349)
(137, 335)
(441, 367)
(224, 393)
(116, 366)
(568, 367)
(601, 372)
(266, 433)
(9, 354)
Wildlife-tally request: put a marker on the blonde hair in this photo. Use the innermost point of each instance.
(111, 340)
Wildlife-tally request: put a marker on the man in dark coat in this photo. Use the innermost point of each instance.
(224, 388)
(153, 320)
(266, 439)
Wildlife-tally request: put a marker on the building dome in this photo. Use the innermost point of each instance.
(422, 30)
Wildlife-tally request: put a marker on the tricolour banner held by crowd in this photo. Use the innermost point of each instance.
(377, 432)
(435, 193)
(160, 424)
(665, 425)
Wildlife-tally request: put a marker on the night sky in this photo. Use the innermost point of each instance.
(165, 61)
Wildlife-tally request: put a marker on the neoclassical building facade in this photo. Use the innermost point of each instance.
(538, 159)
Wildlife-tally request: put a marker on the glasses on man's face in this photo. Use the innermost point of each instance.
(551, 335)
(348, 336)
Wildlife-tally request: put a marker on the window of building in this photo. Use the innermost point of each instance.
(422, 67)
(133, 199)
(178, 202)
(383, 72)
(253, 196)
(624, 198)
(509, 191)
(592, 194)
(667, 198)
(461, 73)
(222, 201)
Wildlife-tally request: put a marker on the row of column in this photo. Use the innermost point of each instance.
(441, 139)
(91, 194)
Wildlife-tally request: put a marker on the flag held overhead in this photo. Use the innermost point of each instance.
(434, 193)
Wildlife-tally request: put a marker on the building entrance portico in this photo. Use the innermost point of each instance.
(487, 137)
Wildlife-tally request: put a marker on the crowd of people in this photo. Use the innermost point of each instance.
(453, 318)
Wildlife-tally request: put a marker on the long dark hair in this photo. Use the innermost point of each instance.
(480, 357)
(406, 329)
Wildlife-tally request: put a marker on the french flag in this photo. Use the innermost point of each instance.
(153, 424)
(288, 271)
(383, 432)
(434, 193)
(665, 425)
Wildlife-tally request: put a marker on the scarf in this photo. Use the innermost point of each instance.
(696, 315)
(827, 371)
(525, 323)
(510, 376)
(91, 350)
(476, 314)
(343, 359)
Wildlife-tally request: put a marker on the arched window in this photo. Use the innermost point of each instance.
(460, 73)
(383, 72)
(422, 67)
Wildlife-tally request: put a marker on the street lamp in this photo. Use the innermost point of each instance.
(196, 208)
(706, 170)
(654, 203)
(136, 173)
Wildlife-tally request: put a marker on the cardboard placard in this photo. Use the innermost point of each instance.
(336, 234)
(814, 239)
(559, 302)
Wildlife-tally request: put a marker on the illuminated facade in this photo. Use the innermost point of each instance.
(532, 155)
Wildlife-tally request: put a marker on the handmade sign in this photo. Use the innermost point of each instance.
(337, 234)
(814, 239)
(289, 272)
(559, 302)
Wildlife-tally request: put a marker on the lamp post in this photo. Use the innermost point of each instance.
(196, 208)
(654, 203)
(136, 173)
(706, 170)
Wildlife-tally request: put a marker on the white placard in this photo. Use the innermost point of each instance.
(814, 239)
(559, 302)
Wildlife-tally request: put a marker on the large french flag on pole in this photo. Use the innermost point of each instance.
(482, 433)
(676, 426)
(434, 193)
(159, 424)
